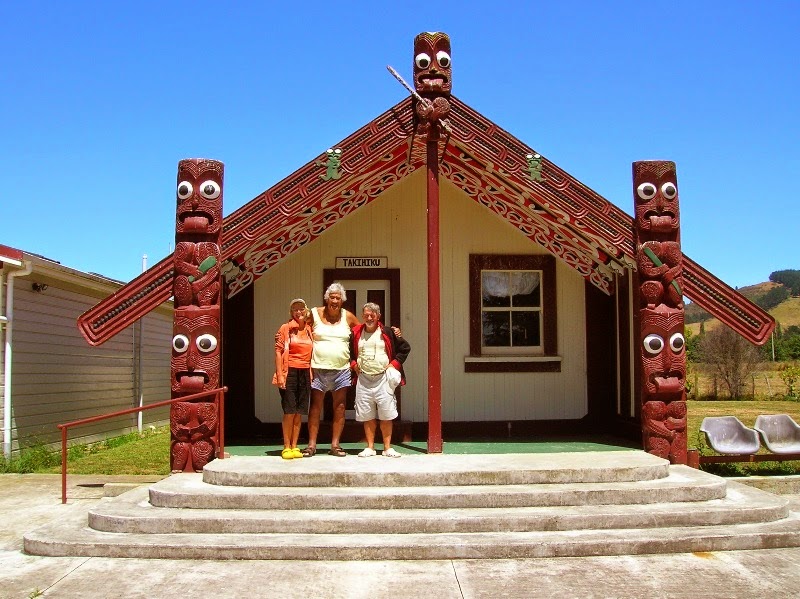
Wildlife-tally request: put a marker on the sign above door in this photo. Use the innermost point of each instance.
(362, 262)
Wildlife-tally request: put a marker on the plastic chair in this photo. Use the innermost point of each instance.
(727, 435)
(781, 434)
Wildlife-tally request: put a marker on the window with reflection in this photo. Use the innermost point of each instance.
(512, 307)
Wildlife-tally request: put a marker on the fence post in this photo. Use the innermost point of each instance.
(63, 464)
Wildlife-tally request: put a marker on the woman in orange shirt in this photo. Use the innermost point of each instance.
(293, 346)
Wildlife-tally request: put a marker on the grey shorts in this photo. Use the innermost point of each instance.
(331, 380)
(375, 396)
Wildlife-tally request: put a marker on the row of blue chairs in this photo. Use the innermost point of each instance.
(728, 435)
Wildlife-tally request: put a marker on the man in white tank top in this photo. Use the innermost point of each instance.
(330, 362)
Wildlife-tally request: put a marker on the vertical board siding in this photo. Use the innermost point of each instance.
(57, 377)
(394, 225)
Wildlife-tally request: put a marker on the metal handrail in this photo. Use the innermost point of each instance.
(219, 401)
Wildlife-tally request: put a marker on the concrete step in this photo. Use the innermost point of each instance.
(190, 491)
(134, 514)
(73, 538)
(435, 470)
(427, 507)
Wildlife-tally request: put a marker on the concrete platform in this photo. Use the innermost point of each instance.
(29, 501)
(427, 507)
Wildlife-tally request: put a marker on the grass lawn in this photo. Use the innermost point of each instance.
(148, 454)
(131, 454)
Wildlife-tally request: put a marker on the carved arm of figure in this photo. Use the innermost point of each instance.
(653, 415)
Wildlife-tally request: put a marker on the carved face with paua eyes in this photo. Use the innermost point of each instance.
(432, 64)
(655, 195)
(195, 350)
(199, 194)
(663, 354)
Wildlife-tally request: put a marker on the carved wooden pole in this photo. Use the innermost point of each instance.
(434, 299)
(432, 82)
(662, 346)
(197, 327)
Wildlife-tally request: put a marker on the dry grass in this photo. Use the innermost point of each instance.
(764, 384)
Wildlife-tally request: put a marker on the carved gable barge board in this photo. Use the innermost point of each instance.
(132, 301)
(560, 194)
(260, 233)
(557, 239)
(725, 303)
(303, 206)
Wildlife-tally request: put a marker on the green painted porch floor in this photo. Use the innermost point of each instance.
(465, 446)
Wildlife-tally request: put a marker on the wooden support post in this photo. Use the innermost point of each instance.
(434, 298)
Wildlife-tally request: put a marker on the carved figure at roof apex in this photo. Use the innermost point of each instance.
(432, 64)
(433, 80)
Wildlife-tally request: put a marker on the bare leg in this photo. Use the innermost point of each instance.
(314, 412)
(369, 432)
(386, 429)
(298, 419)
(286, 426)
(339, 398)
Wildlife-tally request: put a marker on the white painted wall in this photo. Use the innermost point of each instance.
(394, 225)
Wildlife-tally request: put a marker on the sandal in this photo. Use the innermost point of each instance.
(338, 452)
(391, 453)
(309, 452)
(286, 454)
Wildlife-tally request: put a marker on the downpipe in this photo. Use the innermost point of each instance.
(8, 321)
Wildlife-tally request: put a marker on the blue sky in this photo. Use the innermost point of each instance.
(100, 101)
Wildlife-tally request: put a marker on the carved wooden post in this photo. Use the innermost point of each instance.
(661, 315)
(197, 328)
(432, 81)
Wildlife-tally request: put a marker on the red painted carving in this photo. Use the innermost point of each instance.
(195, 350)
(661, 317)
(197, 333)
(656, 200)
(660, 276)
(119, 310)
(433, 79)
(197, 274)
(194, 430)
(199, 195)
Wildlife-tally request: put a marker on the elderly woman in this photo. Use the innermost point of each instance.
(330, 362)
(293, 346)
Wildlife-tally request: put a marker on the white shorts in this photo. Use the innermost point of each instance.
(375, 396)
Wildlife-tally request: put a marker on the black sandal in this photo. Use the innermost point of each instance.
(338, 452)
(309, 452)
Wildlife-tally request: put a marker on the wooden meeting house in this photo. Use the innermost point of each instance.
(519, 288)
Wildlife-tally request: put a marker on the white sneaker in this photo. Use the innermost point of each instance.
(368, 453)
(391, 453)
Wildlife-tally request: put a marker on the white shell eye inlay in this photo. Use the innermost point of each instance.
(206, 343)
(646, 191)
(443, 58)
(185, 190)
(180, 343)
(422, 60)
(210, 190)
(676, 342)
(669, 190)
(653, 344)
